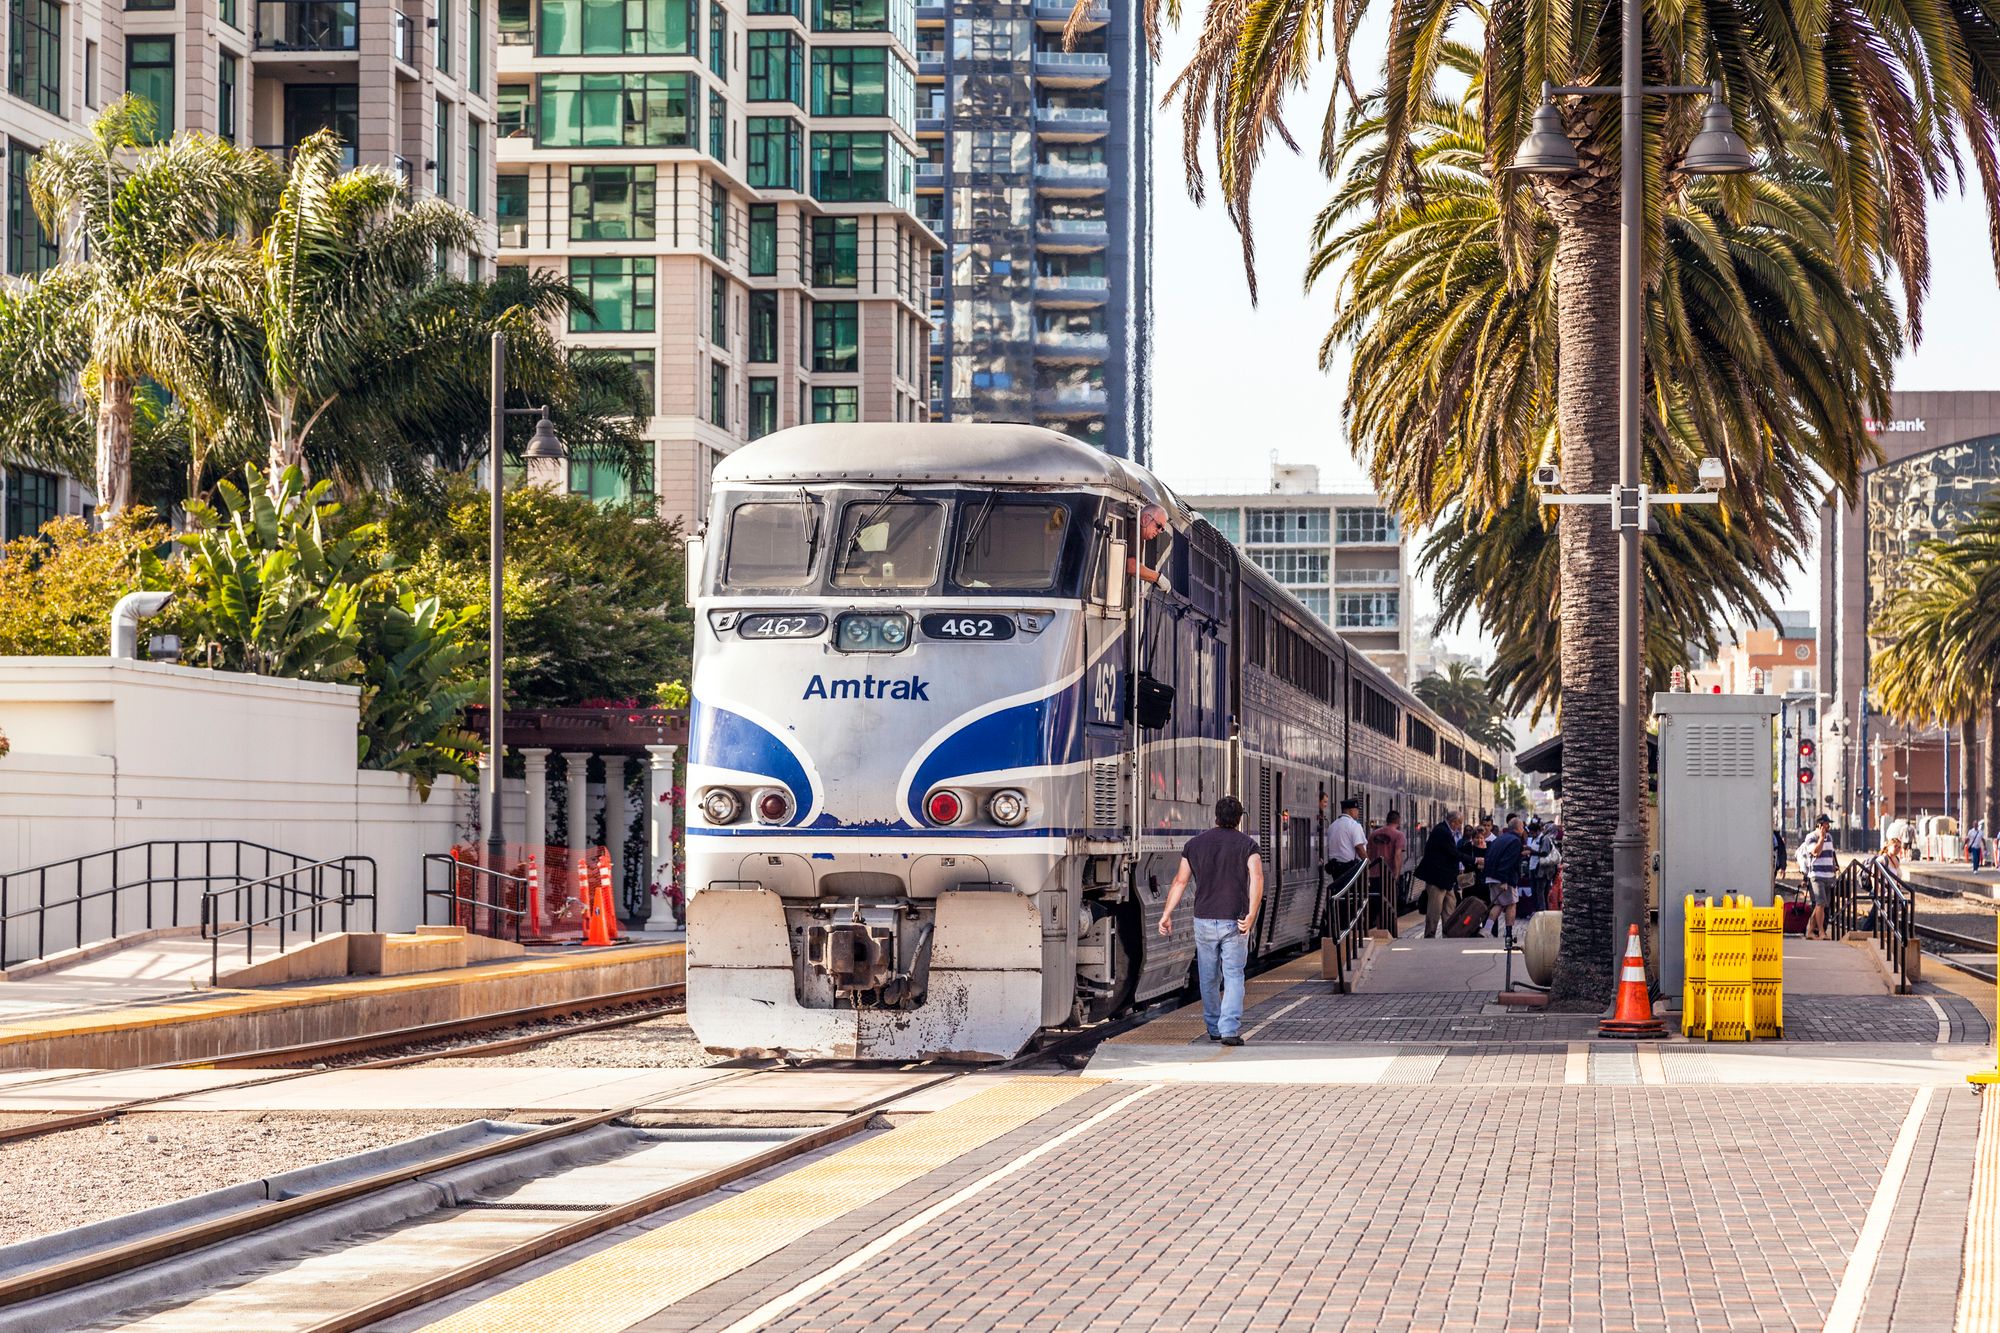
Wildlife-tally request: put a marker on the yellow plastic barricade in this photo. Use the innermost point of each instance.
(1767, 970)
(1694, 985)
(1727, 970)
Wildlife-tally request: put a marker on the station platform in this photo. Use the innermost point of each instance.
(1405, 1157)
(139, 1008)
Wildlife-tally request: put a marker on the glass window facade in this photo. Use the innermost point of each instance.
(513, 22)
(896, 16)
(311, 107)
(620, 291)
(35, 54)
(718, 126)
(510, 208)
(718, 39)
(837, 402)
(29, 248)
(718, 309)
(149, 74)
(1366, 610)
(836, 335)
(718, 219)
(763, 240)
(861, 168)
(33, 498)
(514, 110)
(617, 110)
(475, 41)
(1364, 525)
(718, 393)
(641, 359)
(851, 81)
(776, 148)
(836, 254)
(227, 74)
(763, 326)
(444, 37)
(776, 67)
(763, 407)
(441, 182)
(1294, 564)
(1228, 522)
(1924, 497)
(618, 27)
(475, 169)
(1285, 525)
(611, 203)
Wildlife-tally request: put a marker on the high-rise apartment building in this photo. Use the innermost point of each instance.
(1037, 171)
(1340, 552)
(407, 84)
(731, 184)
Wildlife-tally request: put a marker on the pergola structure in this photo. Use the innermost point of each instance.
(615, 737)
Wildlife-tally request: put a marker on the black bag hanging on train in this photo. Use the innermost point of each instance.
(1152, 701)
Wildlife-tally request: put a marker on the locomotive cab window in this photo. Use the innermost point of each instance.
(771, 544)
(888, 544)
(1013, 547)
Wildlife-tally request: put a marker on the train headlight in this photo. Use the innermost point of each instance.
(1008, 807)
(872, 632)
(773, 806)
(719, 805)
(944, 807)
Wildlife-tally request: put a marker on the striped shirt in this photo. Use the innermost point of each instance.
(1821, 864)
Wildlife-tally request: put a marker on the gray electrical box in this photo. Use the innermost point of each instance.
(1716, 812)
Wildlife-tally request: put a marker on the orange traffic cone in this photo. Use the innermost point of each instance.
(607, 900)
(596, 929)
(1633, 1016)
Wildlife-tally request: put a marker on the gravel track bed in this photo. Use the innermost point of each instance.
(446, 1045)
(658, 1043)
(142, 1159)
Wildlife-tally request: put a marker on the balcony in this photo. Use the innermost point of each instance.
(281, 153)
(930, 59)
(513, 236)
(308, 25)
(1077, 398)
(1085, 175)
(1059, 289)
(1082, 66)
(930, 174)
(1366, 578)
(1060, 344)
(1073, 119)
(1073, 233)
(1056, 11)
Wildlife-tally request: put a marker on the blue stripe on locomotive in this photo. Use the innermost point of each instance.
(719, 738)
(1035, 734)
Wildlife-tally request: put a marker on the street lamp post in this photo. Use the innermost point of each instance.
(1714, 150)
(544, 445)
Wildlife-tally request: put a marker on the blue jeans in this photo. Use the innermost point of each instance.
(1221, 951)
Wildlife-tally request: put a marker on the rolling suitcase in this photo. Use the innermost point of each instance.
(1797, 914)
(1467, 920)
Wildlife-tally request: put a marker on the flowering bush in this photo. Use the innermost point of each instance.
(672, 892)
(5, 745)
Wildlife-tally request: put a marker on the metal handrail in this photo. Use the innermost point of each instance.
(1346, 924)
(490, 903)
(345, 868)
(1891, 917)
(136, 868)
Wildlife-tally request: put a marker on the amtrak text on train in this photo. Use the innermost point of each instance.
(868, 687)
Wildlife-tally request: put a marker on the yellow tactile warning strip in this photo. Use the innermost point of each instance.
(617, 1287)
(1979, 1289)
(214, 1004)
(1185, 1023)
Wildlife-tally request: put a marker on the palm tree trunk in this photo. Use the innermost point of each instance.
(114, 443)
(1992, 813)
(1587, 420)
(1968, 772)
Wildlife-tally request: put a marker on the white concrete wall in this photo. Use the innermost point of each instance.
(112, 753)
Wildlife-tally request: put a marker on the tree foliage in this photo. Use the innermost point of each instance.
(1461, 696)
(57, 589)
(589, 591)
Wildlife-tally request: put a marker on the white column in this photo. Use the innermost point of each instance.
(485, 794)
(617, 819)
(579, 801)
(660, 814)
(536, 824)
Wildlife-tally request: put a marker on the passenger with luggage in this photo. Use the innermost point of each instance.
(1819, 863)
(1437, 869)
(1503, 875)
(1386, 850)
(1228, 879)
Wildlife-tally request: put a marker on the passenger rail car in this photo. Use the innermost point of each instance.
(954, 717)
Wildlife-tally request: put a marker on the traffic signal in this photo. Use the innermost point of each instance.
(1805, 776)
(1806, 748)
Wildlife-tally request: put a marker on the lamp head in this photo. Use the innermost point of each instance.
(1717, 150)
(545, 444)
(1547, 151)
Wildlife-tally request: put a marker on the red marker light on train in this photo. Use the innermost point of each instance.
(944, 807)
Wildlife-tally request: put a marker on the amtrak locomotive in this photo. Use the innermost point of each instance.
(961, 692)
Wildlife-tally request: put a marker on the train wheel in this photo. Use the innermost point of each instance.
(1125, 966)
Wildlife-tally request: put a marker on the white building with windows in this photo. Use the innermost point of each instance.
(1340, 552)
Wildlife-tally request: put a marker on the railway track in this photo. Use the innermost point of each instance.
(1954, 944)
(311, 1057)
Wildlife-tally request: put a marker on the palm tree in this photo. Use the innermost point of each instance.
(1461, 696)
(1938, 663)
(1458, 303)
(343, 250)
(150, 265)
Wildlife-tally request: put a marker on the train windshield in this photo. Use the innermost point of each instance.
(888, 543)
(771, 543)
(1012, 547)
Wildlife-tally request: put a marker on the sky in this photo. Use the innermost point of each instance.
(1234, 383)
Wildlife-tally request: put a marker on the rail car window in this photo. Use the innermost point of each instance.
(771, 544)
(1422, 736)
(1018, 547)
(888, 543)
